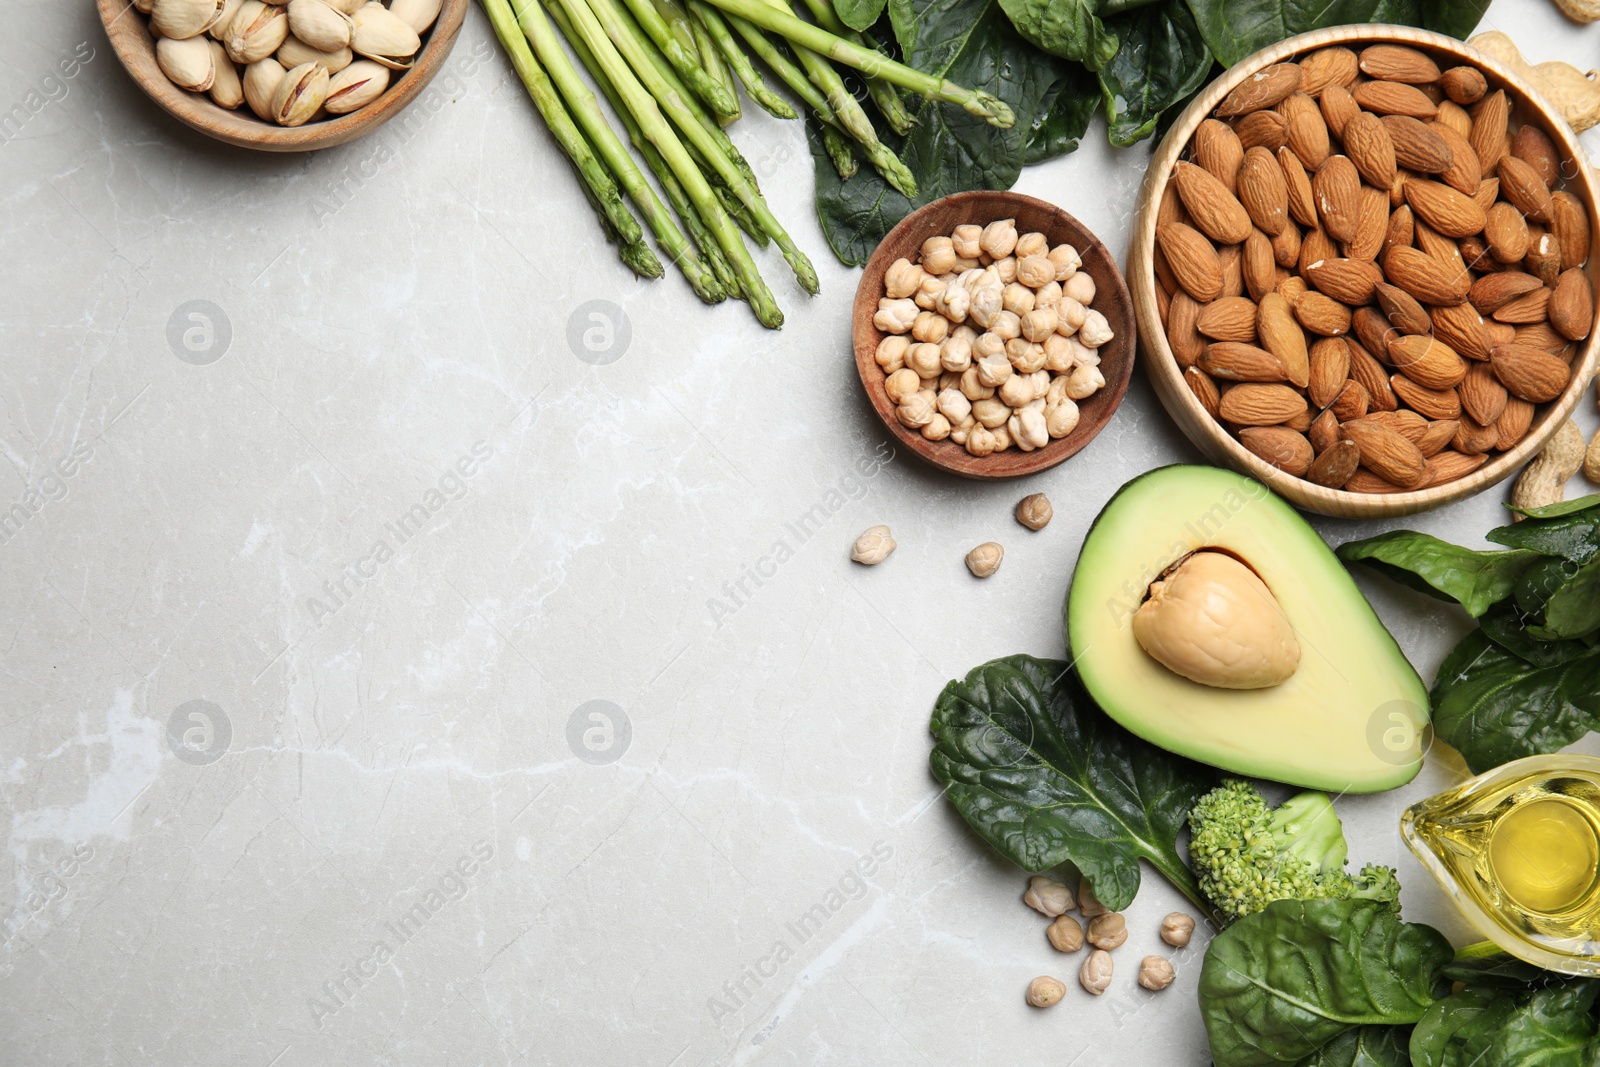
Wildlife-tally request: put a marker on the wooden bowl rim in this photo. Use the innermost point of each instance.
(1162, 365)
(135, 49)
(947, 455)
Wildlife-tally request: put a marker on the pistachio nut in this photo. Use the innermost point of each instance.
(384, 37)
(219, 28)
(299, 94)
(418, 14)
(186, 63)
(226, 89)
(349, 7)
(143, 6)
(319, 25)
(295, 52)
(257, 31)
(356, 86)
(261, 80)
(182, 19)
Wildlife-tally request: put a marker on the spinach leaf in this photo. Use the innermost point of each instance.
(1044, 776)
(1063, 116)
(1507, 626)
(1365, 1046)
(1574, 535)
(1493, 707)
(1559, 508)
(1278, 985)
(1552, 1027)
(1162, 60)
(1066, 28)
(1487, 964)
(1234, 28)
(1539, 583)
(1574, 609)
(1454, 18)
(971, 42)
(859, 14)
(1475, 580)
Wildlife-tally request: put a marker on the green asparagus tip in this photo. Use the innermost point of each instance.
(643, 262)
(991, 108)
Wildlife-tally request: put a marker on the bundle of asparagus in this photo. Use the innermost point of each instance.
(669, 72)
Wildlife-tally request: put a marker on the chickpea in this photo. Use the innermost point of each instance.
(1045, 992)
(927, 295)
(1040, 323)
(992, 372)
(1080, 287)
(1006, 269)
(1088, 903)
(1034, 512)
(999, 238)
(980, 442)
(1155, 973)
(1057, 354)
(915, 411)
(895, 316)
(1095, 330)
(1061, 418)
(953, 303)
(938, 255)
(1005, 325)
(1095, 975)
(955, 355)
(954, 406)
(1108, 931)
(1032, 244)
(938, 428)
(1028, 428)
(930, 326)
(1048, 897)
(891, 353)
(1084, 381)
(924, 359)
(972, 388)
(984, 560)
(987, 302)
(903, 383)
(1026, 356)
(1072, 315)
(1067, 262)
(1034, 271)
(990, 412)
(965, 240)
(1047, 295)
(902, 278)
(1065, 934)
(1017, 299)
(1176, 929)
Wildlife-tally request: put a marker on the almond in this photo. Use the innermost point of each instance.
(1488, 192)
(1475, 253)
(1430, 403)
(1324, 432)
(1494, 291)
(1364, 481)
(1570, 224)
(1371, 228)
(1507, 233)
(1367, 143)
(1394, 98)
(1349, 281)
(1217, 149)
(1285, 449)
(1373, 329)
(1397, 63)
(1463, 329)
(1407, 424)
(1193, 260)
(1232, 277)
(1265, 129)
(1425, 278)
(1283, 337)
(1571, 309)
(1488, 136)
(1263, 191)
(1329, 369)
(1300, 423)
(1455, 116)
(1337, 190)
(1305, 132)
(1233, 361)
(1228, 319)
(1401, 231)
(1302, 206)
(1255, 404)
(1333, 468)
(1471, 438)
(1464, 85)
(1544, 256)
(1521, 184)
(1325, 67)
(1427, 362)
(1386, 453)
(1322, 315)
(1373, 379)
(1450, 466)
(1529, 373)
(1182, 334)
(1215, 211)
(1204, 390)
(1526, 310)
(1417, 146)
(1463, 174)
(1351, 403)
(1262, 89)
(1441, 249)
(1513, 424)
(1449, 211)
(1483, 398)
(1315, 247)
(1534, 147)
(1437, 435)
(1538, 334)
(1401, 309)
(1286, 246)
(1338, 108)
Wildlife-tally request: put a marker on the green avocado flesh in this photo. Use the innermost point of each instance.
(1350, 717)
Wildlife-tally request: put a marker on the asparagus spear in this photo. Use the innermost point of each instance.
(984, 105)
(837, 145)
(671, 100)
(883, 94)
(754, 86)
(711, 60)
(684, 60)
(677, 20)
(656, 128)
(598, 186)
(548, 49)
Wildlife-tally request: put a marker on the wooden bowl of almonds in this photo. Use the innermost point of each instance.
(993, 334)
(244, 71)
(1363, 267)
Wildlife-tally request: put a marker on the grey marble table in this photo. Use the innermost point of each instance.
(509, 741)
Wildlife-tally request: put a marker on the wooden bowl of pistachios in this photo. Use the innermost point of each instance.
(286, 75)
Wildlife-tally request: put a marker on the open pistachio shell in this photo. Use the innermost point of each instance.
(356, 86)
(182, 19)
(261, 80)
(319, 25)
(418, 14)
(257, 31)
(384, 37)
(295, 52)
(299, 94)
(219, 28)
(186, 62)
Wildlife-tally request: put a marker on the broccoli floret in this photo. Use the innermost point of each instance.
(1246, 854)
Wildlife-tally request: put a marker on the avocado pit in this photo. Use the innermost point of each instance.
(1212, 620)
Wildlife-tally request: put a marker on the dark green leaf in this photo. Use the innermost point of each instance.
(1235, 28)
(1536, 585)
(1162, 60)
(1574, 535)
(1045, 777)
(1508, 627)
(972, 43)
(1483, 1026)
(859, 14)
(1063, 116)
(1065, 28)
(1496, 968)
(1279, 984)
(1493, 707)
(1574, 609)
(1365, 1046)
(1475, 580)
(1559, 508)
(1453, 18)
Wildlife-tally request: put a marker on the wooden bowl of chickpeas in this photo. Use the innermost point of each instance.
(994, 334)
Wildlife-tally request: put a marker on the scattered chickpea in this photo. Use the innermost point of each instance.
(1034, 511)
(1176, 929)
(1088, 903)
(1095, 975)
(984, 560)
(1047, 896)
(1065, 934)
(1108, 931)
(1045, 992)
(873, 546)
(1155, 973)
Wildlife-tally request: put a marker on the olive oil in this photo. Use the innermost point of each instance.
(1519, 851)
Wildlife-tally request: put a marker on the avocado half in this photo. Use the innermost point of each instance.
(1349, 719)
